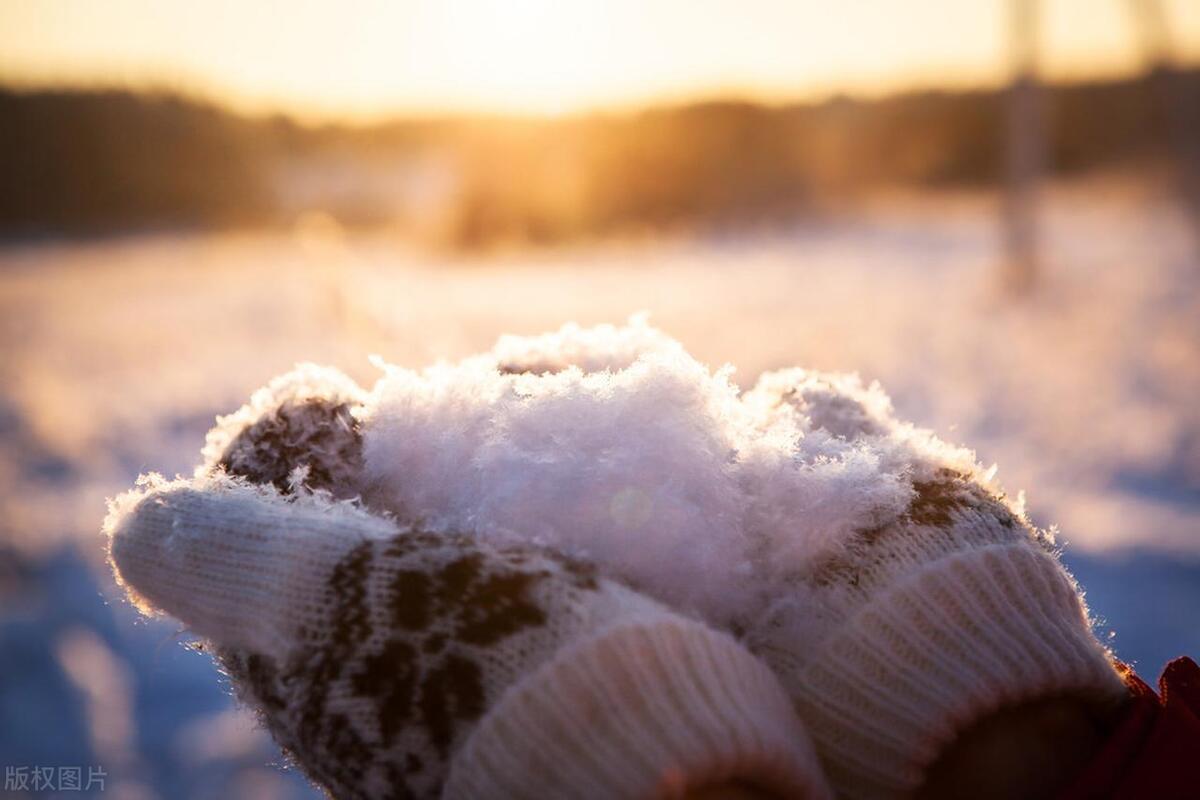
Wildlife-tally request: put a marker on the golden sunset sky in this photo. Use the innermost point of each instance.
(367, 58)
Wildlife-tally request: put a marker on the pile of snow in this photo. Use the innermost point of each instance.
(644, 460)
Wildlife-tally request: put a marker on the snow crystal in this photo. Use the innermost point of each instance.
(603, 347)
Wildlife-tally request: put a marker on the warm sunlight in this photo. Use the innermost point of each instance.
(366, 58)
(532, 54)
(612, 399)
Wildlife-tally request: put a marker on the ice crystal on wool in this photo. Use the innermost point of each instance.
(288, 420)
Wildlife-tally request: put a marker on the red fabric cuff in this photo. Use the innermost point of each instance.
(1155, 750)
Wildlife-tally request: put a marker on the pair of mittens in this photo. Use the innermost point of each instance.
(821, 557)
(392, 661)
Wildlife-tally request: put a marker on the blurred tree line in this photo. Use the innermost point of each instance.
(95, 162)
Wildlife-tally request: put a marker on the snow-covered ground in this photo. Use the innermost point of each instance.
(116, 356)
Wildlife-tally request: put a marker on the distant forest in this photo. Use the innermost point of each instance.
(98, 162)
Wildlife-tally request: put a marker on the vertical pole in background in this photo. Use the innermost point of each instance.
(1025, 152)
(1181, 105)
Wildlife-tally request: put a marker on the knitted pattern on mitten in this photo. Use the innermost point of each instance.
(302, 420)
(398, 663)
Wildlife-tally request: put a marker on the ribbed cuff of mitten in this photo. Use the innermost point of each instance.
(642, 710)
(965, 636)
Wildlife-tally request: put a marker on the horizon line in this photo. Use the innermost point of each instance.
(318, 114)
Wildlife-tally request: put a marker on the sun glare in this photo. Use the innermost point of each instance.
(369, 58)
(530, 55)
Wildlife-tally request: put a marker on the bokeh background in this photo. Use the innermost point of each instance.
(991, 207)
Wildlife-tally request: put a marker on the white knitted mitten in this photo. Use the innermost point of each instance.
(392, 662)
(895, 637)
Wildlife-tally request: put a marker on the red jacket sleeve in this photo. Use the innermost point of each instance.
(1155, 750)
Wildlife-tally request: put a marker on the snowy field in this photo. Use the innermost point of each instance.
(117, 355)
